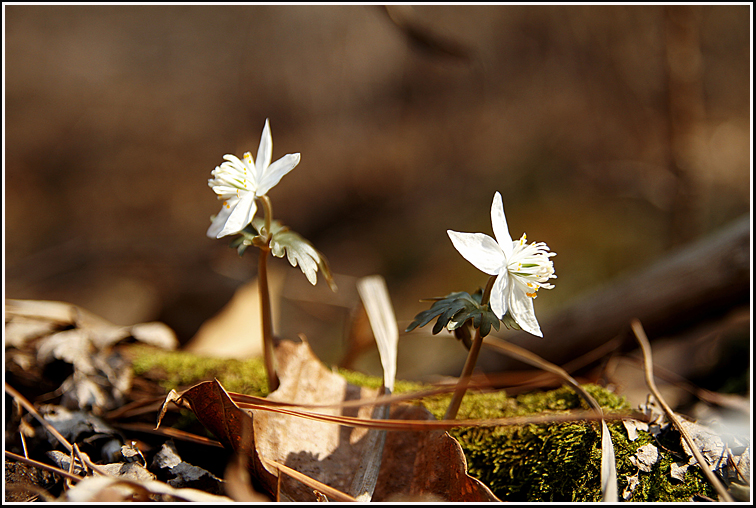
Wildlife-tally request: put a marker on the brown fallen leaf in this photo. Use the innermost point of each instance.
(422, 464)
(414, 463)
(230, 425)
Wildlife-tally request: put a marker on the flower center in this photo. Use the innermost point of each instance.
(530, 266)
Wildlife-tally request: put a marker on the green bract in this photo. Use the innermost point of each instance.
(457, 309)
(283, 241)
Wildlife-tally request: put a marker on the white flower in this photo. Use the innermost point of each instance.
(520, 268)
(239, 183)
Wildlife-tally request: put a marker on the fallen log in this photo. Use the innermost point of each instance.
(697, 282)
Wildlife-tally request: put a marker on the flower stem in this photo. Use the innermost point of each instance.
(459, 393)
(472, 358)
(265, 310)
(487, 292)
(267, 214)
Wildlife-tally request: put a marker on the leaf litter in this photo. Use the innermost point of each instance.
(416, 465)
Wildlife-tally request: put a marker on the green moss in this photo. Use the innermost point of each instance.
(561, 462)
(178, 369)
(549, 462)
(657, 485)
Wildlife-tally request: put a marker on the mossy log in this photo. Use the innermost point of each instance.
(547, 462)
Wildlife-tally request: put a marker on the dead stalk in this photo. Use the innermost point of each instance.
(640, 334)
(48, 426)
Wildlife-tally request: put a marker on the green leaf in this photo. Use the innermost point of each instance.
(456, 310)
(299, 252)
(284, 242)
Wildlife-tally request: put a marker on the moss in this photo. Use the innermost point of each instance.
(657, 485)
(561, 462)
(549, 462)
(178, 369)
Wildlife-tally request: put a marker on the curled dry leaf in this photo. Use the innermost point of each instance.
(230, 425)
(39, 333)
(416, 464)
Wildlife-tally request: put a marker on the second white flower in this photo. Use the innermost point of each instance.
(520, 268)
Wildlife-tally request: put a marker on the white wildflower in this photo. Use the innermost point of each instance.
(521, 268)
(239, 182)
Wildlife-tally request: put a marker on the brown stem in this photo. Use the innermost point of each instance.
(487, 292)
(267, 321)
(472, 358)
(267, 214)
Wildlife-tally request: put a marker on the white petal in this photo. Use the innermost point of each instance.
(521, 309)
(242, 214)
(499, 295)
(220, 219)
(234, 160)
(499, 224)
(275, 172)
(265, 150)
(480, 250)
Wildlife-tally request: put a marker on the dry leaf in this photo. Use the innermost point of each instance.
(108, 489)
(416, 464)
(230, 425)
(41, 332)
(645, 457)
(632, 484)
(632, 427)
(181, 474)
(677, 470)
(709, 444)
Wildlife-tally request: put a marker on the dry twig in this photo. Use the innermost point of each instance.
(640, 334)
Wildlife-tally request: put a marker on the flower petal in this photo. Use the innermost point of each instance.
(220, 219)
(499, 295)
(480, 250)
(241, 215)
(499, 224)
(265, 150)
(275, 172)
(521, 309)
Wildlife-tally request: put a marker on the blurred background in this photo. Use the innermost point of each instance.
(615, 134)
